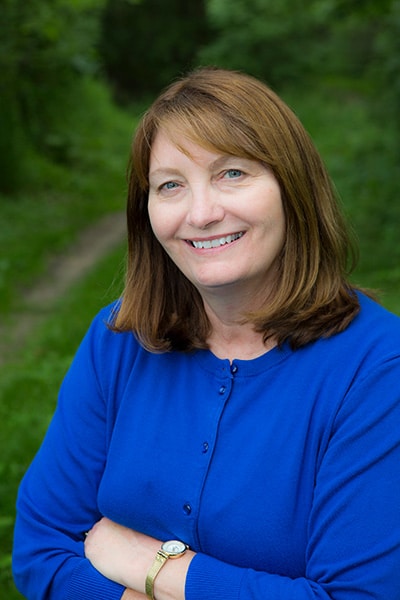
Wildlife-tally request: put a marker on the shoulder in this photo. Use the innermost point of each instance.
(369, 346)
(121, 351)
(375, 329)
(106, 350)
(370, 308)
(101, 333)
(370, 343)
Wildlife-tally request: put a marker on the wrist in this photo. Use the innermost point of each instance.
(139, 563)
(167, 574)
(171, 581)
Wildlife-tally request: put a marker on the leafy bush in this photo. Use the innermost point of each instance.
(45, 48)
(147, 43)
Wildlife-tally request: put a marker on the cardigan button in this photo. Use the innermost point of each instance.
(222, 390)
(205, 447)
(187, 509)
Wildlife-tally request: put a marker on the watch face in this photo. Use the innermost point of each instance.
(174, 547)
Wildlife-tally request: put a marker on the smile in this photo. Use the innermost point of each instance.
(217, 242)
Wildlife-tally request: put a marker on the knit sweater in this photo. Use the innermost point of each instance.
(282, 473)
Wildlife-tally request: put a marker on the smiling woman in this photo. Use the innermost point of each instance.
(231, 427)
(234, 130)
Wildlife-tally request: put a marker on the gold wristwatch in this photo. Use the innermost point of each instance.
(171, 549)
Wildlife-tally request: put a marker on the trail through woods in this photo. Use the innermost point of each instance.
(62, 272)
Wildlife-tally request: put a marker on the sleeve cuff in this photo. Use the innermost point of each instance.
(87, 582)
(212, 579)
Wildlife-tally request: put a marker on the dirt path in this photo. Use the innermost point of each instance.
(62, 272)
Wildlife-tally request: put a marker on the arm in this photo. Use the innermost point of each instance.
(126, 556)
(57, 500)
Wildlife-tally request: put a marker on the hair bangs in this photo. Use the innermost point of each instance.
(210, 125)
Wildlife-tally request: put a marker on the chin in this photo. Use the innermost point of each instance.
(216, 283)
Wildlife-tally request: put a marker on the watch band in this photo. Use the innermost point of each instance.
(159, 561)
(171, 549)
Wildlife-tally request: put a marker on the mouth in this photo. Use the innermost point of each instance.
(216, 242)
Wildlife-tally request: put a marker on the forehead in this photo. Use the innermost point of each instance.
(168, 154)
(212, 129)
(197, 138)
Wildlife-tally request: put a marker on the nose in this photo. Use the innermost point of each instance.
(205, 207)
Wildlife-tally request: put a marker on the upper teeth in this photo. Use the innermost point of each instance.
(218, 241)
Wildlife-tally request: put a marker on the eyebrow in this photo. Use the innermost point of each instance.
(164, 171)
(217, 163)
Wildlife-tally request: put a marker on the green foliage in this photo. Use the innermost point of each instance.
(385, 69)
(45, 48)
(286, 42)
(145, 44)
(57, 201)
(12, 155)
(269, 39)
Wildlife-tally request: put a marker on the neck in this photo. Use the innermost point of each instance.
(230, 337)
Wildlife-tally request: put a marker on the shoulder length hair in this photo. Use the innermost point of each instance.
(235, 114)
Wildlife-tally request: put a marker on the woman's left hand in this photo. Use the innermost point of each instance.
(121, 554)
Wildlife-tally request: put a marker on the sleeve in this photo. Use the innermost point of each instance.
(57, 499)
(353, 549)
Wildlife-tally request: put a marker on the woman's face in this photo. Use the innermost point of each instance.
(220, 218)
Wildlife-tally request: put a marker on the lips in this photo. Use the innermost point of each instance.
(216, 242)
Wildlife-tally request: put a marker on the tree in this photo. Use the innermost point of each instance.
(271, 40)
(46, 47)
(147, 43)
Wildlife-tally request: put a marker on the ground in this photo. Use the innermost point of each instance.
(62, 272)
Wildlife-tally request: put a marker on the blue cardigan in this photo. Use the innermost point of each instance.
(282, 473)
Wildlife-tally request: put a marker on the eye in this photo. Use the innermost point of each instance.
(233, 173)
(169, 185)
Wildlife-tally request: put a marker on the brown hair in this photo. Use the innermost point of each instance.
(235, 114)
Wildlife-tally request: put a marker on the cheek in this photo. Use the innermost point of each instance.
(154, 217)
(279, 218)
(276, 208)
(267, 209)
(160, 222)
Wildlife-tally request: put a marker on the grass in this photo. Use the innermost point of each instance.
(59, 200)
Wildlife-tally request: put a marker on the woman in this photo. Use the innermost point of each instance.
(241, 402)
